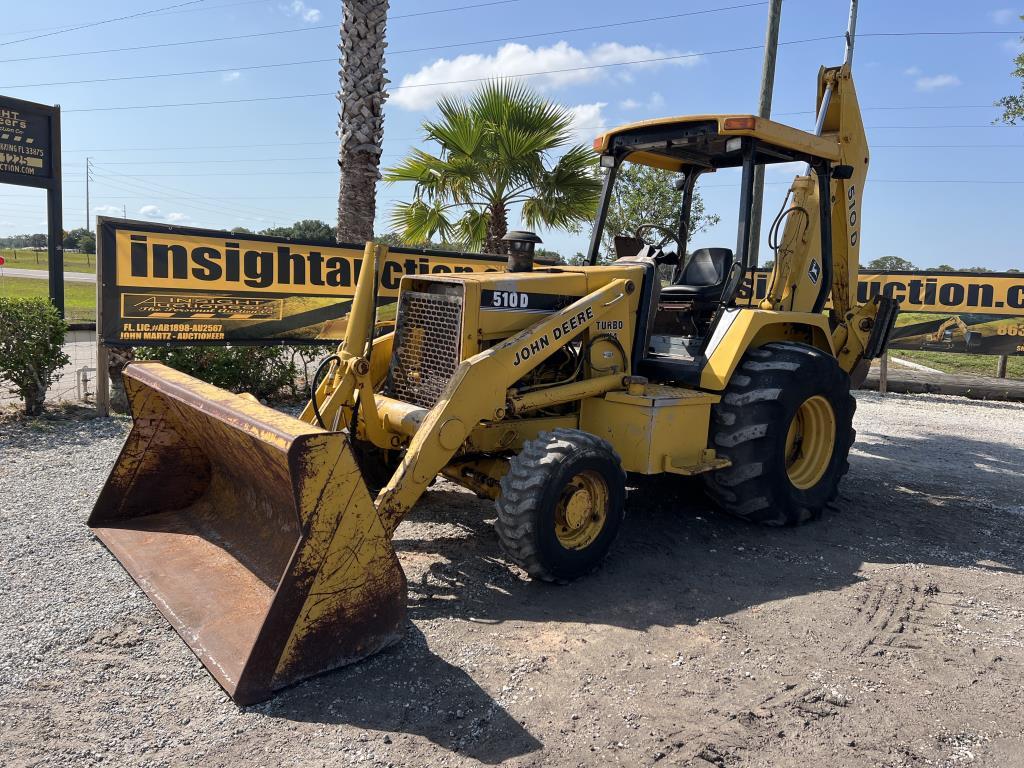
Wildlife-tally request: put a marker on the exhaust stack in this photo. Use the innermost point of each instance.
(521, 244)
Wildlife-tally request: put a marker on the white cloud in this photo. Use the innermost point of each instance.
(154, 212)
(912, 71)
(1014, 45)
(301, 10)
(654, 102)
(1004, 15)
(230, 77)
(935, 82)
(587, 120)
(562, 64)
(107, 210)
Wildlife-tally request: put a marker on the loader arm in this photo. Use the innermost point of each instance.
(477, 392)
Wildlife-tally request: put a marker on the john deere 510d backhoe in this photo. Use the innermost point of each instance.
(256, 533)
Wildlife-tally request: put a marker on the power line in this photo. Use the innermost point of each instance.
(449, 10)
(329, 158)
(562, 70)
(160, 13)
(169, 45)
(570, 30)
(152, 191)
(104, 21)
(168, 12)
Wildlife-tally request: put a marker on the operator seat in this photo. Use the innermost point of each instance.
(703, 278)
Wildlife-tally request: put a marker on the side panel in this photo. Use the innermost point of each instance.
(741, 329)
(651, 436)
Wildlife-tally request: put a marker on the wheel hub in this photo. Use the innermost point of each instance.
(582, 511)
(810, 442)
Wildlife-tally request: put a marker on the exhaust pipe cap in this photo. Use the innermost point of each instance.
(521, 244)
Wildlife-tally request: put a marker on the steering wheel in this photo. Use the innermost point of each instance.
(667, 236)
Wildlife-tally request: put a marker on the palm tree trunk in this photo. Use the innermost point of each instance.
(361, 115)
(497, 226)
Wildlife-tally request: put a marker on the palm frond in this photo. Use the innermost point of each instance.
(420, 222)
(471, 229)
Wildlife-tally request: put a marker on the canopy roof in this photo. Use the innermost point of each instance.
(674, 143)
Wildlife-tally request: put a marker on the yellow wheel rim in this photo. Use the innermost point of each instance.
(810, 442)
(582, 510)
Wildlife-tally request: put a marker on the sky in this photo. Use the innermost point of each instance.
(945, 185)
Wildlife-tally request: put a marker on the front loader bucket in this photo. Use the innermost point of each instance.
(252, 532)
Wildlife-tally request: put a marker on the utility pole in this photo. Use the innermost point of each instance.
(87, 161)
(764, 109)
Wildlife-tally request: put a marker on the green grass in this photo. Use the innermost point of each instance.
(957, 362)
(29, 259)
(79, 298)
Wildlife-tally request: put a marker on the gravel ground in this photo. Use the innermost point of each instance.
(888, 633)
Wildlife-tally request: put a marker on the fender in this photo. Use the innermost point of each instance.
(740, 329)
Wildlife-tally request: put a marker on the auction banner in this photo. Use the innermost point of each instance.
(162, 285)
(977, 312)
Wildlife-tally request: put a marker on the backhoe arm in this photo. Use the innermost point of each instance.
(794, 285)
(861, 331)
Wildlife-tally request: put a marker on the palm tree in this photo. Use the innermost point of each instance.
(361, 115)
(495, 153)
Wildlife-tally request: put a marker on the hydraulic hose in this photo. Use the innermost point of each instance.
(315, 383)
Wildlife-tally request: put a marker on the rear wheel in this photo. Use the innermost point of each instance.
(561, 504)
(786, 423)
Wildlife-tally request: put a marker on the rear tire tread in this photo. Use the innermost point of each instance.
(745, 429)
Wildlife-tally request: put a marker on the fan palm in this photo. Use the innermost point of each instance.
(496, 152)
(361, 115)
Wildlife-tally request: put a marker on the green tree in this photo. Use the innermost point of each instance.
(38, 241)
(976, 269)
(942, 268)
(313, 230)
(547, 255)
(31, 348)
(241, 231)
(1013, 105)
(87, 242)
(645, 195)
(495, 152)
(891, 264)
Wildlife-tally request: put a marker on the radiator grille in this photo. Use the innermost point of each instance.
(426, 348)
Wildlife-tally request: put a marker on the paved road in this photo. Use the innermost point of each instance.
(42, 274)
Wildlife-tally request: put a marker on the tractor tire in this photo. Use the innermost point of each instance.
(561, 504)
(786, 422)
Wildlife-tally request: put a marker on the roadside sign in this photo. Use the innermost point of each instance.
(165, 285)
(981, 313)
(30, 157)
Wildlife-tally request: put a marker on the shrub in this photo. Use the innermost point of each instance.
(262, 371)
(31, 348)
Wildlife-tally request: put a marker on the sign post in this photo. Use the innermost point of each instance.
(30, 157)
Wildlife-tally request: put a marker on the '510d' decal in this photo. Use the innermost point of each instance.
(520, 301)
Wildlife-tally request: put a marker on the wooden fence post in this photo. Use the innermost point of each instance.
(1001, 367)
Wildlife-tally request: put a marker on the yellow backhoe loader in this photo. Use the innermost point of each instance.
(257, 536)
(943, 337)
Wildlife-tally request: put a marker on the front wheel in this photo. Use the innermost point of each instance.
(561, 504)
(786, 422)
